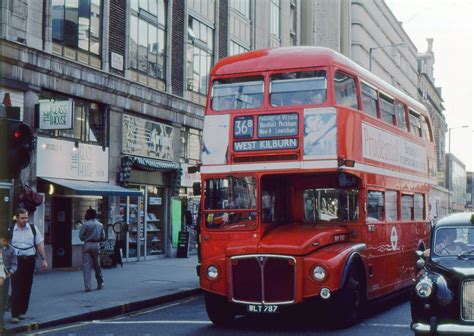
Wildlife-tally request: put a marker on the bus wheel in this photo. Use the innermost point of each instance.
(220, 311)
(350, 300)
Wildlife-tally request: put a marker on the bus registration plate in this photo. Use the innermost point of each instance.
(252, 308)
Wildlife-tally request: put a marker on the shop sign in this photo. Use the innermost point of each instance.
(56, 114)
(61, 159)
(146, 138)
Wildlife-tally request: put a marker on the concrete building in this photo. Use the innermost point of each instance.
(469, 191)
(456, 183)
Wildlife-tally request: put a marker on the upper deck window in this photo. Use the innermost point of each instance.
(369, 100)
(425, 129)
(298, 88)
(401, 116)
(345, 90)
(387, 112)
(237, 93)
(415, 124)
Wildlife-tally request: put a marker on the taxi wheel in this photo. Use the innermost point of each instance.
(220, 311)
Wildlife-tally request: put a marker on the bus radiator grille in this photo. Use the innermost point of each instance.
(263, 279)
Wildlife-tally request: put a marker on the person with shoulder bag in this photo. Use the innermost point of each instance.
(91, 233)
(27, 242)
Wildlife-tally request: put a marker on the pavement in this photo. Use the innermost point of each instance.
(58, 297)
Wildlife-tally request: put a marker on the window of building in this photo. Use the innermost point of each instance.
(375, 205)
(236, 48)
(90, 123)
(419, 207)
(415, 124)
(147, 37)
(407, 208)
(425, 129)
(199, 57)
(401, 116)
(241, 6)
(387, 113)
(293, 23)
(275, 18)
(369, 100)
(391, 205)
(191, 144)
(345, 90)
(77, 24)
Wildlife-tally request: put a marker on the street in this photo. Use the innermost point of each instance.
(188, 317)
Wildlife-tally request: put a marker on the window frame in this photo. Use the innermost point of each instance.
(412, 208)
(404, 125)
(336, 90)
(386, 114)
(414, 118)
(381, 212)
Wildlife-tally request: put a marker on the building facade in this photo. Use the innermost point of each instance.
(115, 93)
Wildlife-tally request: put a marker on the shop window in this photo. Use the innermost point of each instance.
(90, 123)
(147, 37)
(345, 90)
(375, 205)
(407, 208)
(199, 55)
(77, 24)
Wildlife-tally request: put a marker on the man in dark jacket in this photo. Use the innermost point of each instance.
(91, 233)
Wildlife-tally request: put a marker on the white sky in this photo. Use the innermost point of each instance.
(449, 23)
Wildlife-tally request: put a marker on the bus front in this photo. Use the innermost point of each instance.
(280, 217)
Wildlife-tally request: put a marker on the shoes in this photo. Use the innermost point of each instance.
(100, 285)
(15, 320)
(88, 290)
(21, 317)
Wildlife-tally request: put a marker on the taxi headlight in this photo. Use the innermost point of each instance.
(212, 272)
(424, 288)
(319, 273)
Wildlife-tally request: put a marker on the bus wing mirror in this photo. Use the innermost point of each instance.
(197, 188)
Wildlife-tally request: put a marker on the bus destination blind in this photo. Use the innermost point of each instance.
(277, 126)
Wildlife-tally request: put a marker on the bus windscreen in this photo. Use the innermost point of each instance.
(298, 88)
(237, 93)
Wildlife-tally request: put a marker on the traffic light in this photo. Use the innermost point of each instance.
(176, 180)
(125, 170)
(17, 143)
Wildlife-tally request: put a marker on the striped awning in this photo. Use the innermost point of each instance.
(152, 164)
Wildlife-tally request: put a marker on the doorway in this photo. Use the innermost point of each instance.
(61, 221)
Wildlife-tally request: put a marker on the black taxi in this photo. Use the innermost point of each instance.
(442, 301)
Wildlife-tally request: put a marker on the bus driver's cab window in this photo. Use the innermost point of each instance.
(268, 207)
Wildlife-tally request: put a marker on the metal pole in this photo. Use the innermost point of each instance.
(449, 175)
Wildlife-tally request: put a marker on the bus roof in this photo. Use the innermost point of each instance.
(287, 58)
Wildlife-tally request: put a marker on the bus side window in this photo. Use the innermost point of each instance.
(407, 208)
(401, 116)
(375, 205)
(415, 124)
(369, 100)
(345, 90)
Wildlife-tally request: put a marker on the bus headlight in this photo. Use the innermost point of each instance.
(212, 272)
(319, 273)
(424, 288)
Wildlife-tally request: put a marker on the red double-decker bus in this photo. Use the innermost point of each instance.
(315, 181)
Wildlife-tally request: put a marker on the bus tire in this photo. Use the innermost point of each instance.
(220, 311)
(350, 300)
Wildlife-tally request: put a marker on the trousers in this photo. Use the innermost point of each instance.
(22, 281)
(90, 259)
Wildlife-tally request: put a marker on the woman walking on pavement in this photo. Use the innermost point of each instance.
(91, 233)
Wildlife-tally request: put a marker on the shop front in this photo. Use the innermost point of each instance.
(73, 178)
(148, 165)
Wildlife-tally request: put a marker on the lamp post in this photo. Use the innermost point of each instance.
(396, 45)
(450, 186)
